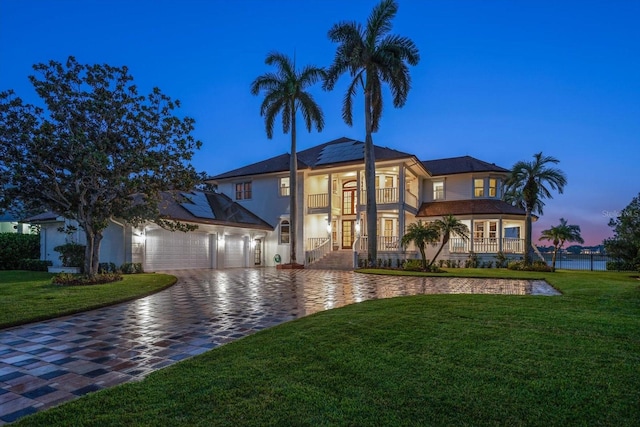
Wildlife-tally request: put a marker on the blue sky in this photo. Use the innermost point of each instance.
(498, 80)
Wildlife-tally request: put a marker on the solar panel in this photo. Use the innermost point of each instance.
(199, 205)
(342, 152)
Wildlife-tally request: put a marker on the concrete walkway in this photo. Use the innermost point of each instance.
(46, 363)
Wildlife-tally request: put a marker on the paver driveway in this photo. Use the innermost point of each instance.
(46, 363)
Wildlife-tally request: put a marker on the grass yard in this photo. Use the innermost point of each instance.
(421, 360)
(27, 296)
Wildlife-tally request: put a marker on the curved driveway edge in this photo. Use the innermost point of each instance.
(46, 363)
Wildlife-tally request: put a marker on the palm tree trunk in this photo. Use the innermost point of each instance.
(553, 260)
(445, 240)
(528, 249)
(370, 180)
(293, 188)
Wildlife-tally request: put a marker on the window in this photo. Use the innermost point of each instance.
(284, 187)
(284, 232)
(493, 187)
(349, 201)
(438, 190)
(243, 190)
(478, 230)
(493, 230)
(478, 187)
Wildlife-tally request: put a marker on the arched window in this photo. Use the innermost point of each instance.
(284, 232)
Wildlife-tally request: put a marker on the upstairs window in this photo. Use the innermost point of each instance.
(284, 232)
(478, 187)
(283, 187)
(493, 187)
(243, 190)
(438, 190)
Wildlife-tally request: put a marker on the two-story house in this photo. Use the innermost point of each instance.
(332, 197)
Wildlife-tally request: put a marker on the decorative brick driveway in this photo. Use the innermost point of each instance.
(46, 363)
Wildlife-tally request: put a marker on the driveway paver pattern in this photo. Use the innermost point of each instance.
(46, 363)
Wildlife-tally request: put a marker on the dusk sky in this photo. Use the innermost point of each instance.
(497, 80)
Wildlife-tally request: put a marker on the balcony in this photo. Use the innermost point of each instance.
(383, 196)
(317, 201)
(458, 245)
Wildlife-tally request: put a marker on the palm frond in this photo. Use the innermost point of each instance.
(380, 21)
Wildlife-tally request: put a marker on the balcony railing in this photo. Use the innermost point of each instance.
(411, 199)
(320, 200)
(458, 245)
(383, 195)
(385, 243)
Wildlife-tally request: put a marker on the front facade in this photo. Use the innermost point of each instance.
(332, 201)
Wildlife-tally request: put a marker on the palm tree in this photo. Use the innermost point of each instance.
(284, 93)
(420, 234)
(447, 225)
(527, 185)
(372, 56)
(559, 234)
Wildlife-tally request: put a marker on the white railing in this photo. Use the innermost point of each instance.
(319, 251)
(458, 245)
(383, 195)
(411, 199)
(320, 200)
(385, 243)
(314, 242)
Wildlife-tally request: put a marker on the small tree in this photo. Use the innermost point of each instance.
(447, 225)
(624, 246)
(421, 234)
(527, 185)
(558, 235)
(97, 151)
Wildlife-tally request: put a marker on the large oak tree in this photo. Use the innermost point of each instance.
(95, 151)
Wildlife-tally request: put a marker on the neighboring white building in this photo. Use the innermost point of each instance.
(246, 222)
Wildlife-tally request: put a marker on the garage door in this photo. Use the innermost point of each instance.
(233, 251)
(166, 250)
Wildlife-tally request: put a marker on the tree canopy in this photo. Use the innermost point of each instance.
(624, 246)
(97, 150)
(559, 235)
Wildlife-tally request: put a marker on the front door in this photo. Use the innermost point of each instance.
(347, 233)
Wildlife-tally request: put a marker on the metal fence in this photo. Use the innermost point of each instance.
(593, 262)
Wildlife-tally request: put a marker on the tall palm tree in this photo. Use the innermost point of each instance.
(372, 56)
(527, 185)
(285, 93)
(447, 225)
(420, 234)
(559, 234)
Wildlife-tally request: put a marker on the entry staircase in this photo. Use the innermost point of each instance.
(334, 260)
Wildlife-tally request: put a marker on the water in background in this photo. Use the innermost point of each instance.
(594, 262)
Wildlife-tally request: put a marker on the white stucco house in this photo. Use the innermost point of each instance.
(245, 223)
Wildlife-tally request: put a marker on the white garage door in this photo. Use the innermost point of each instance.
(166, 250)
(233, 251)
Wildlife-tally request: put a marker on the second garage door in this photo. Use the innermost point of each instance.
(166, 250)
(234, 251)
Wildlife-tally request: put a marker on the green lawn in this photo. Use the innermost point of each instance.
(421, 360)
(27, 296)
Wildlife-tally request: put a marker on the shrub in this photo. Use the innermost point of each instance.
(621, 266)
(68, 279)
(535, 266)
(501, 260)
(472, 261)
(136, 267)
(416, 265)
(15, 247)
(71, 254)
(34, 264)
(106, 267)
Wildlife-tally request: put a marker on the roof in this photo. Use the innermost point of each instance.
(468, 207)
(46, 216)
(339, 151)
(455, 165)
(209, 208)
(197, 207)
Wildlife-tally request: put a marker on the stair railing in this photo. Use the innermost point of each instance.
(315, 254)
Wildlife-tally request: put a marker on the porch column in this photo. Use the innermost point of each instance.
(471, 237)
(401, 186)
(329, 218)
(500, 237)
